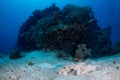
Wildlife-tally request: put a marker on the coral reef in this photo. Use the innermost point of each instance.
(116, 47)
(63, 29)
(62, 54)
(15, 54)
(82, 52)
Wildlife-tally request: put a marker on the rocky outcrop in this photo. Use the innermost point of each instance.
(63, 29)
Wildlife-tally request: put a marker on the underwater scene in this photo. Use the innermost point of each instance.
(59, 40)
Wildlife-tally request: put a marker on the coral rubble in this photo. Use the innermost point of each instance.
(63, 29)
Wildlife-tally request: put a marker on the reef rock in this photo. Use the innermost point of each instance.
(15, 54)
(63, 29)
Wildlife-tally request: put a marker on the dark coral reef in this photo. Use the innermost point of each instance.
(116, 47)
(15, 54)
(63, 30)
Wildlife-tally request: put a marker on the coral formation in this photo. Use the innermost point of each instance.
(82, 52)
(63, 29)
(15, 54)
(62, 54)
(116, 47)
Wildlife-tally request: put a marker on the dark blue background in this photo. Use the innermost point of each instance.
(14, 12)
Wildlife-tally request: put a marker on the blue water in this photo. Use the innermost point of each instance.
(14, 12)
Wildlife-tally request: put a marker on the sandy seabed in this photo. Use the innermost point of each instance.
(39, 65)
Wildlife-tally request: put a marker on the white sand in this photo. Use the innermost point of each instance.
(45, 66)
